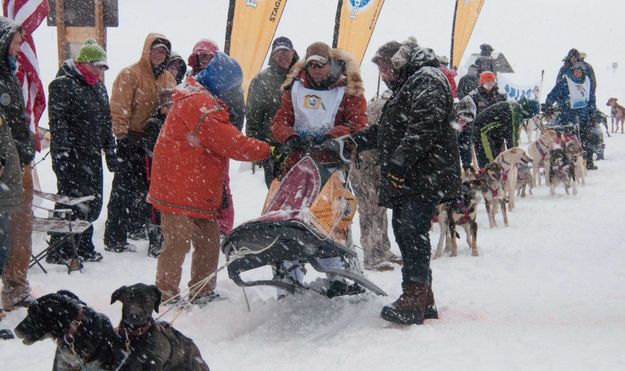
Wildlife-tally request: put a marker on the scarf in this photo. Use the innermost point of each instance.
(90, 78)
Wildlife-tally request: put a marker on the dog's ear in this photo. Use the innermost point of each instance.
(157, 297)
(70, 295)
(118, 294)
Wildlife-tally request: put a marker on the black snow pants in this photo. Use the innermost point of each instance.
(411, 225)
(79, 176)
(127, 208)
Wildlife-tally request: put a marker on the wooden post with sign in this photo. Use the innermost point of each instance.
(78, 20)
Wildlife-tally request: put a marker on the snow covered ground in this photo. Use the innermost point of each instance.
(546, 292)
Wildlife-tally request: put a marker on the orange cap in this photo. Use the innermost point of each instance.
(487, 75)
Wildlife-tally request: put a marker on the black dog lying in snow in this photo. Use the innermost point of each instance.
(152, 345)
(84, 338)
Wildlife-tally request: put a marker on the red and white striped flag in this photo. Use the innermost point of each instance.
(30, 14)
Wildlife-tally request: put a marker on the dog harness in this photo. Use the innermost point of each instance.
(466, 212)
(128, 334)
(504, 174)
(68, 338)
(541, 150)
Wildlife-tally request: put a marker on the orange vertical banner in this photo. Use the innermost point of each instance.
(355, 22)
(465, 17)
(250, 30)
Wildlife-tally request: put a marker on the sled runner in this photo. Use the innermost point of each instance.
(306, 217)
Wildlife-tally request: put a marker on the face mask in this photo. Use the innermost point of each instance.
(13, 63)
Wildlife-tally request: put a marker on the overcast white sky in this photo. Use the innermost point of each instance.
(533, 34)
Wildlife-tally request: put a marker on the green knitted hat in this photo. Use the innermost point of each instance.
(91, 52)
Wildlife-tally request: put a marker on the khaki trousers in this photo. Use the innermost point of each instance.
(15, 275)
(179, 233)
(365, 181)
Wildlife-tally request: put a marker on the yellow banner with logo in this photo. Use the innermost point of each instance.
(355, 22)
(465, 17)
(250, 31)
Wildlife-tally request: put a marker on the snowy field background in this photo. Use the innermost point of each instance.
(547, 292)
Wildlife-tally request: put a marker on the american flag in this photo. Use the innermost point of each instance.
(30, 14)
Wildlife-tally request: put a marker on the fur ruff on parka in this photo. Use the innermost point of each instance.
(351, 77)
(351, 116)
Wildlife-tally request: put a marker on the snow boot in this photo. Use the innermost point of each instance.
(431, 312)
(409, 308)
(203, 300)
(342, 288)
(138, 234)
(6, 334)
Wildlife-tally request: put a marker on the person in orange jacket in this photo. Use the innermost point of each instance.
(190, 159)
(323, 98)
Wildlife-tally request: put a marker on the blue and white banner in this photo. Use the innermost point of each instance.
(515, 90)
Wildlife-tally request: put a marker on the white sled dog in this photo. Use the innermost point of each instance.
(509, 160)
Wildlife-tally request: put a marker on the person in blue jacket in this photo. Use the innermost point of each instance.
(575, 96)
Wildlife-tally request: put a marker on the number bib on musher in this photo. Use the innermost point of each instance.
(315, 110)
(579, 94)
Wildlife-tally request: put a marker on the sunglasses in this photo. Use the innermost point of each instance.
(317, 65)
(100, 67)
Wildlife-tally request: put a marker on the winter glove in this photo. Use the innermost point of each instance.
(297, 143)
(341, 147)
(112, 160)
(278, 154)
(396, 173)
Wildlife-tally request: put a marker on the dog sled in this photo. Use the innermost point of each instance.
(306, 217)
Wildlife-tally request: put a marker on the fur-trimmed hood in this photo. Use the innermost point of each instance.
(348, 75)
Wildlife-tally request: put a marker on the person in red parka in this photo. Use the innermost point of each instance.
(450, 74)
(323, 98)
(201, 55)
(190, 159)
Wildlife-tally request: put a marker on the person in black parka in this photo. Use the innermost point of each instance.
(265, 96)
(484, 96)
(498, 125)
(80, 125)
(15, 285)
(468, 82)
(419, 167)
(485, 61)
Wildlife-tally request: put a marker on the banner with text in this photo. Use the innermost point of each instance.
(354, 25)
(250, 30)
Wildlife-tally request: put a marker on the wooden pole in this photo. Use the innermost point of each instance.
(99, 23)
(61, 32)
